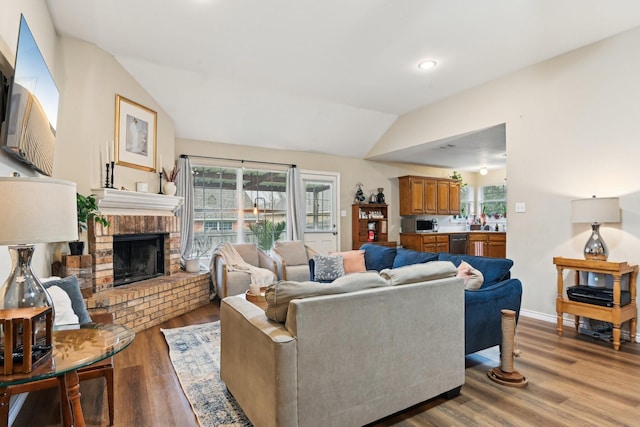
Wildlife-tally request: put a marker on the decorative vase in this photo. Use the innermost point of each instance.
(169, 188)
(192, 265)
(76, 247)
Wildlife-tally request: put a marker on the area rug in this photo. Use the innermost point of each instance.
(195, 354)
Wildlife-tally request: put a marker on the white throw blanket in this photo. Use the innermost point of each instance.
(235, 262)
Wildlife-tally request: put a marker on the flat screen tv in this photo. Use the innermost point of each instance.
(29, 129)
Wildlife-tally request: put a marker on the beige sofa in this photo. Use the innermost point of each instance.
(346, 359)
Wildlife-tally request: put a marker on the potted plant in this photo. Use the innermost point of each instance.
(169, 187)
(87, 209)
(201, 247)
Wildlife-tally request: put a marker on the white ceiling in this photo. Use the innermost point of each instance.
(327, 76)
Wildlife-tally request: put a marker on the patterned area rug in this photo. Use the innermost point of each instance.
(195, 354)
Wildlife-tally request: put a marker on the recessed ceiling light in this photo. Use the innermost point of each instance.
(483, 171)
(428, 64)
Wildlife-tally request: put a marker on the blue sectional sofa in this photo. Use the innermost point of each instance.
(483, 307)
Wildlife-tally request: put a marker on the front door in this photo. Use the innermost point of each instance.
(321, 202)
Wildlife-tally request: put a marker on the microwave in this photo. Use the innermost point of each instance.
(418, 225)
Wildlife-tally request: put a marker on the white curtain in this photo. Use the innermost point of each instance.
(295, 205)
(185, 190)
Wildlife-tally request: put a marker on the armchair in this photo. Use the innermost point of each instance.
(292, 260)
(229, 279)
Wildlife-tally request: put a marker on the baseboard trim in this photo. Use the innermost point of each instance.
(566, 321)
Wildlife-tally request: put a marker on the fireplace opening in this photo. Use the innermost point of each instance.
(137, 257)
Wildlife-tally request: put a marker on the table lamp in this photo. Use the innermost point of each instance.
(33, 210)
(595, 210)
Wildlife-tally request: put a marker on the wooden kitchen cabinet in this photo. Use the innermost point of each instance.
(494, 244)
(423, 195)
(431, 242)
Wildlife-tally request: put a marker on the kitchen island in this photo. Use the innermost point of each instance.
(484, 243)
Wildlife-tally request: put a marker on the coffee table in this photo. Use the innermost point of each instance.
(74, 347)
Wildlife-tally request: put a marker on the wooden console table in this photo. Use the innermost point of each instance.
(616, 314)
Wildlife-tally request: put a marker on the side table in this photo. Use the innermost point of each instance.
(74, 347)
(616, 314)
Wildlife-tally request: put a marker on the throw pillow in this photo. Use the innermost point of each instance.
(378, 257)
(353, 261)
(472, 277)
(409, 257)
(328, 268)
(64, 314)
(494, 270)
(419, 272)
(293, 252)
(278, 295)
(71, 287)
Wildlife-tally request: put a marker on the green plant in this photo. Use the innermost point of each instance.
(458, 177)
(267, 232)
(87, 211)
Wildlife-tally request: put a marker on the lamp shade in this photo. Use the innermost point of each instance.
(37, 210)
(595, 210)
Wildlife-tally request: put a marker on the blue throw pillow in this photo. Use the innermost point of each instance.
(378, 257)
(410, 257)
(72, 288)
(494, 270)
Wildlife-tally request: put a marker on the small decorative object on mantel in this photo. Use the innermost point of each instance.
(380, 196)
(87, 209)
(360, 197)
(169, 187)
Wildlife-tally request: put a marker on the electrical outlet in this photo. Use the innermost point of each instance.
(520, 207)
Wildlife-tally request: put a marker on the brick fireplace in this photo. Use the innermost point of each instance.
(146, 303)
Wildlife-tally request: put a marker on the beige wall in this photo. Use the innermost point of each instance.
(351, 170)
(572, 131)
(88, 80)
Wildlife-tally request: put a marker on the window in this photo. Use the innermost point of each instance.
(318, 200)
(493, 200)
(239, 205)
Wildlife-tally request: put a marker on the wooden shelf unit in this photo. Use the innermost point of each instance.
(616, 314)
(359, 226)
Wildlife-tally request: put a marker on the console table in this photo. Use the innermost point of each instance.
(616, 314)
(74, 347)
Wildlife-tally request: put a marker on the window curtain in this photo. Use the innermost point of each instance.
(295, 205)
(185, 190)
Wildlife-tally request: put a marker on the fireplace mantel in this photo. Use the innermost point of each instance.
(122, 202)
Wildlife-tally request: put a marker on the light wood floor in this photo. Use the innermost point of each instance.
(573, 381)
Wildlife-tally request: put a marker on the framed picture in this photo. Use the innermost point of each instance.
(136, 131)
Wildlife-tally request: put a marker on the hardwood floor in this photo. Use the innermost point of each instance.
(573, 381)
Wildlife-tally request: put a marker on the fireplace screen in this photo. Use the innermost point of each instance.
(137, 257)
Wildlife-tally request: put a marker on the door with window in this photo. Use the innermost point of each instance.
(321, 206)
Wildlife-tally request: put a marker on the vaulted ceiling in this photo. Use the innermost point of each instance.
(326, 76)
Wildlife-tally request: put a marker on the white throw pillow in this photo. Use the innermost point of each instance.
(64, 314)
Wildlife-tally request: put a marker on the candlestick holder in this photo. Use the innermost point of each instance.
(106, 177)
(160, 185)
(113, 168)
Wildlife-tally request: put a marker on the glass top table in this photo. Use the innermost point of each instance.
(74, 347)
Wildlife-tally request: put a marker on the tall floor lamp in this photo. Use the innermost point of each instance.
(33, 210)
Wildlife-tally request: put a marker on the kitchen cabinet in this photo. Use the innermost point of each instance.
(362, 215)
(490, 244)
(424, 195)
(431, 242)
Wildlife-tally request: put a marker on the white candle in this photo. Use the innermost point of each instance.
(112, 157)
(106, 145)
(160, 164)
